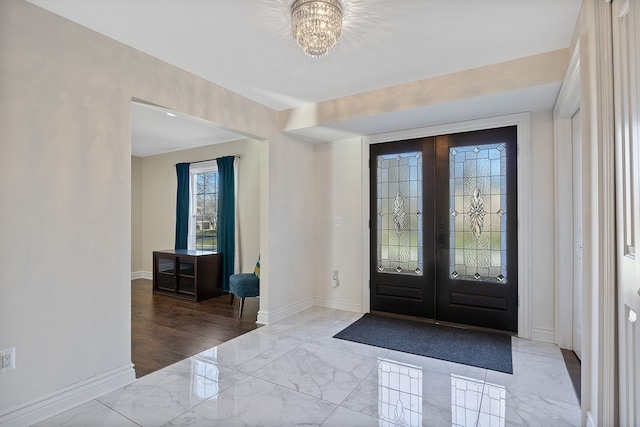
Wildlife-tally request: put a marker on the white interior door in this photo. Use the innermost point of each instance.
(577, 234)
(626, 54)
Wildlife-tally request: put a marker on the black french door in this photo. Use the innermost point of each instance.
(444, 228)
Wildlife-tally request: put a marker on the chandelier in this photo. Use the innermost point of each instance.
(316, 25)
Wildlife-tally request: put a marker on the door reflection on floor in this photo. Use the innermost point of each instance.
(474, 402)
(204, 375)
(399, 394)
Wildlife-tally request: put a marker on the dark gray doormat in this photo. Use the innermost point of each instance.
(469, 347)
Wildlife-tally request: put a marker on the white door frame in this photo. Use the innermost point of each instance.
(567, 104)
(578, 204)
(523, 123)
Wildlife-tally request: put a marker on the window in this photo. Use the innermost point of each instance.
(203, 209)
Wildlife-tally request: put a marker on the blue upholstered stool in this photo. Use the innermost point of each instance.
(245, 285)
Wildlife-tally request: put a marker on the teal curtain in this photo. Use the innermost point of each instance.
(226, 217)
(182, 206)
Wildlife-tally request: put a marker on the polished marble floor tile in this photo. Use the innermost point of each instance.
(349, 346)
(252, 350)
(521, 409)
(301, 327)
(403, 394)
(542, 376)
(536, 347)
(329, 313)
(323, 372)
(92, 413)
(342, 417)
(161, 396)
(295, 373)
(255, 402)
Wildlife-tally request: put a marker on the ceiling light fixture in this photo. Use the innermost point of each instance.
(170, 114)
(316, 25)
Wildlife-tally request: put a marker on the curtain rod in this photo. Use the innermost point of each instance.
(236, 156)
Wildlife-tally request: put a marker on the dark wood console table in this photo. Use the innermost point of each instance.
(192, 275)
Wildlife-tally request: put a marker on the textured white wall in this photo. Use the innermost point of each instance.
(290, 247)
(65, 160)
(338, 193)
(542, 228)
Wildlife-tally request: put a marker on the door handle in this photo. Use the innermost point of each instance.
(441, 236)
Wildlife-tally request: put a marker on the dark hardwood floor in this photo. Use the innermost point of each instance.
(573, 367)
(165, 330)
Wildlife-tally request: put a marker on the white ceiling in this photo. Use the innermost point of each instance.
(246, 46)
(153, 131)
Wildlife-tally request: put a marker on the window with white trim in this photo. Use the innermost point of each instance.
(203, 207)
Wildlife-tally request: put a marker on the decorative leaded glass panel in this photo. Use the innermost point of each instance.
(477, 203)
(399, 393)
(399, 190)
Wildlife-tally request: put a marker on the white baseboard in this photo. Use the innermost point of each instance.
(266, 317)
(141, 275)
(337, 304)
(543, 334)
(68, 397)
(263, 317)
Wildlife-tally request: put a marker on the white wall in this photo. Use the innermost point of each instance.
(542, 228)
(158, 199)
(65, 160)
(338, 193)
(288, 284)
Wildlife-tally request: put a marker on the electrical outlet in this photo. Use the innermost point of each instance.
(334, 275)
(8, 359)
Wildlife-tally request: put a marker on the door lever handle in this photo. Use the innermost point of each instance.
(441, 237)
